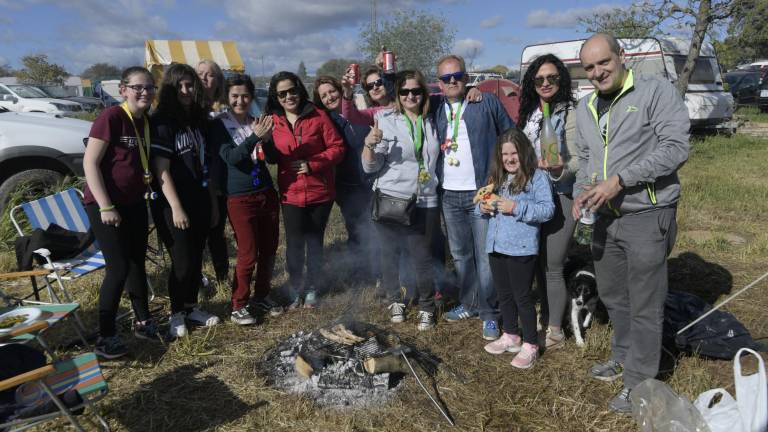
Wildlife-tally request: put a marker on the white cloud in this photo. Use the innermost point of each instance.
(468, 47)
(491, 22)
(569, 18)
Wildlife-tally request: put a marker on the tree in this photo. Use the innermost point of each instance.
(747, 34)
(100, 70)
(336, 67)
(5, 71)
(37, 70)
(418, 39)
(499, 69)
(649, 16)
(302, 72)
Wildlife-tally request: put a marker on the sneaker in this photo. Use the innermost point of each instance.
(490, 330)
(266, 306)
(554, 339)
(110, 347)
(242, 317)
(622, 402)
(608, 371)
(426, 321)
(459, 313)
(178, 325)
(295, 304)
(526, 357)
(148, 330)
(506, 343)
(396, 312)
(202, 318)
(310, 299)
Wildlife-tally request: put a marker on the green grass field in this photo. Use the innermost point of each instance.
(208, 380)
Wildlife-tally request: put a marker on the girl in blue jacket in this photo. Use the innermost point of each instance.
(522, 201)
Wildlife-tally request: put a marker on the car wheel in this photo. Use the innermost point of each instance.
(27, 185)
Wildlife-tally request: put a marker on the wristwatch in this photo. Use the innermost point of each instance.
(621, 182)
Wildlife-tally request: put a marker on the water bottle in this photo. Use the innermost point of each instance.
(585, 226)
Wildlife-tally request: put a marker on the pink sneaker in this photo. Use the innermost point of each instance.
(526, 357)
(506, 343)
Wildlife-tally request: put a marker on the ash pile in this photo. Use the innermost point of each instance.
(352, 364)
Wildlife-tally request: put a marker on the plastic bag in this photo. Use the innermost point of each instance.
(657, 408)
(722, 415)
(751, 394)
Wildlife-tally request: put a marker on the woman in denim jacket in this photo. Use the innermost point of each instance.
(547, 80)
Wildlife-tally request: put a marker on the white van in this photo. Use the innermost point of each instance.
(709, 105)
(24, 98)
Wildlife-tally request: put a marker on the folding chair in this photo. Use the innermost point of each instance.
(53, 313)
(81, 374)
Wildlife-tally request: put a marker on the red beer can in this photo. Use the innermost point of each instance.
(355, 68)
(389, 61)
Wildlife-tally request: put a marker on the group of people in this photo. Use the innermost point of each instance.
(401, 171)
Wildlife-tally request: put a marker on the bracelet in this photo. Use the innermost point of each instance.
(107, 208)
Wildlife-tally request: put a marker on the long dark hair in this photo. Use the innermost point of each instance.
(324, 79)
(169, 104)
(529, 99)
(525, 153)
(273, 104)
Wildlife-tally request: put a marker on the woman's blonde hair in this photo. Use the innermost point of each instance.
(400, 80)
(218, 92)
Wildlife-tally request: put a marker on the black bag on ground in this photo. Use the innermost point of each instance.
(392, 210)
(62, 243)
(719, 335)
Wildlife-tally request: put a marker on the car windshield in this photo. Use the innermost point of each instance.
(54, 92)
(28, 91)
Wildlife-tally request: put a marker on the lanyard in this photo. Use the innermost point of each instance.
(417, 137)
(199, 146)
(455, 120)
(144, 154)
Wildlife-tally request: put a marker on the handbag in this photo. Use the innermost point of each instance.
(392, 210)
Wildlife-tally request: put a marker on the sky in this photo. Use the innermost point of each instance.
(277, 34)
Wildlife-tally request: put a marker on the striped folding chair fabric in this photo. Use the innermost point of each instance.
(66, 210)
(81, 374)
(53, 313)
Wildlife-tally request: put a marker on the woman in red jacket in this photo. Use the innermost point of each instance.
(308, 147)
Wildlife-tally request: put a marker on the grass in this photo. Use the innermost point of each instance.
(752, 113)
(208, 380)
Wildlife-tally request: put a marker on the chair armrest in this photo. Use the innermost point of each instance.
(36, 326)
(32, 375)
(23, 274)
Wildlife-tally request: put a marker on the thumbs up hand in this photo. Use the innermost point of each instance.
(374, 136)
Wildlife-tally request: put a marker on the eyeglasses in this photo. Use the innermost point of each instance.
(138, 88)
(284, 93)
(458, 76)
(551, 79)
(416, 91)
(378, 83)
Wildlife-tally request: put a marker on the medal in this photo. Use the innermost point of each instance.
(424, 176)
(147, 178)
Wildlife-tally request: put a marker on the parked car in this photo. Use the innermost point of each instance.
(762, 101)
(744, 85)
(38, 148)
(89, 104)
(25, 98)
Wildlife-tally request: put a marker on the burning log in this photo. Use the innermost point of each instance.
(390, 363)
(303, 368)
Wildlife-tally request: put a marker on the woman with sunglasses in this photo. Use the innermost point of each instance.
(547, 81)
(116, 168)
(402, 151)
(308, 147)
(376, 84)
(186, 209)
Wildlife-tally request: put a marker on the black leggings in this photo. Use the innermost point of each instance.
(124, 248)
(217, 242)
(513, 277)
(304, 233)
(186, 249)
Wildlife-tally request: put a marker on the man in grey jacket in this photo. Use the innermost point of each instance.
(632, 135)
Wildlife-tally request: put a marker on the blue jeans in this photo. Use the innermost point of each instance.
(466, 239)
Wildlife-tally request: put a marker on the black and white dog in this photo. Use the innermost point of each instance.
(585, 305)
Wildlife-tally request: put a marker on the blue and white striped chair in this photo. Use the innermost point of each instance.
(65, 209)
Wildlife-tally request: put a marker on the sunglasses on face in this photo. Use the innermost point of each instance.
(139, 89)
(458, 76)
(551, 79)
(416, 91)
(284, 93)
(370, 86)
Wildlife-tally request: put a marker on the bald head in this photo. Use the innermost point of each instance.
(606, 38)
(603, 60)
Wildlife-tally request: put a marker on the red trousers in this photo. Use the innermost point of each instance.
(255, 220)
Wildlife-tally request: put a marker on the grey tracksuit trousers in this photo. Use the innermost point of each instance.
(631, 269)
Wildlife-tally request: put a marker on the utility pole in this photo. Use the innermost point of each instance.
(374, 22)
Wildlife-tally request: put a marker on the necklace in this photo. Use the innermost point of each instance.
(451, 144)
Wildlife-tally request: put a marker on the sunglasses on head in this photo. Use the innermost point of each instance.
(551, 79)
(284, 93)
(458, 76)
(378, 83)
(416, 91)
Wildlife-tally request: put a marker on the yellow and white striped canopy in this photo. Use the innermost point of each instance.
(161, 53)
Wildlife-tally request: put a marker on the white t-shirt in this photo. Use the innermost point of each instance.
(459, 177)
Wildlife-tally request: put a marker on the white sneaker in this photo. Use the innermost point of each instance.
(202, 318)
(178, 325)
(426, 321)
(396, 312)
